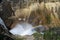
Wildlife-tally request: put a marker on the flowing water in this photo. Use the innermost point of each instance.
(2, 23)
(23, 29)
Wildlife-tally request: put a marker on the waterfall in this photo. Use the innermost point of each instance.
(2, 23)
(22, 29)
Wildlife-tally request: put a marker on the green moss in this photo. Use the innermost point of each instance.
(52, 34)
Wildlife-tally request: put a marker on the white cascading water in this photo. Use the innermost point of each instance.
(22, 29)
(2, 23)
